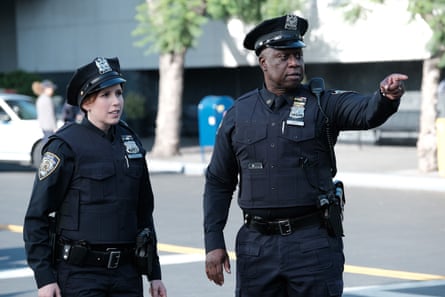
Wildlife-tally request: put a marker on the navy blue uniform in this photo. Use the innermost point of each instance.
(282, 163)
(98, 185)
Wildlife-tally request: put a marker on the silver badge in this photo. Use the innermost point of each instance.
(102, 65)
(48, 164)
(291, 22)
(131, 148)
(296, 115)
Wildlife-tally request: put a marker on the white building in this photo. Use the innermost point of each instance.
(53, 37)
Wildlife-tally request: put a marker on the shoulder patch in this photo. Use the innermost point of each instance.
(48, 164)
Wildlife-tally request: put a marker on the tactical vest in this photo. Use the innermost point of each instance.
(281, 165)
(101, 204)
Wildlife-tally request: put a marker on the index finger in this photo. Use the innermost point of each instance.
(398, 77)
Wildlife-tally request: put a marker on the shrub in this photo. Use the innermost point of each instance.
(19, 81)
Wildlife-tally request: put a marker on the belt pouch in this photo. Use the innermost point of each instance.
(335, 224)
(144, 252)
(78, 255)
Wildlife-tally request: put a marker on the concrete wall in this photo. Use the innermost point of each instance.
(8, 52)
(59, 35)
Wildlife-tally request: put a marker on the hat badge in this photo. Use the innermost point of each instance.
(291, 22)
(102, 65)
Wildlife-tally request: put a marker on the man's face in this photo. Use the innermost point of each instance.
(283, 69)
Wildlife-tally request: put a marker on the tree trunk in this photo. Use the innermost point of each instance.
(168, 120)
(427, 142)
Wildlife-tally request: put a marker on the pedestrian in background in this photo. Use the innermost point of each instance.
(46, 114)
(279, 141)
(71, 113)
(89, 227)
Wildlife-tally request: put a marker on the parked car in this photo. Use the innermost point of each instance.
(21, 136)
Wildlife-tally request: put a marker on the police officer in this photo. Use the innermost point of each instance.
(92, 197)
(279, 140)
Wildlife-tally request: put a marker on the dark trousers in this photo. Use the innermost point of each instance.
(123, 281)
(306, 263)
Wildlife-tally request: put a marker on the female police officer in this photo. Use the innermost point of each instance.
(94, 177)
(279, 141)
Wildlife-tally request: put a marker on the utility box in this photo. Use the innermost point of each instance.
(440, 130)
(211, 110)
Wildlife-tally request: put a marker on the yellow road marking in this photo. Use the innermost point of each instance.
(348, 268)
(12, 228)
(170, 248)
(391, 273)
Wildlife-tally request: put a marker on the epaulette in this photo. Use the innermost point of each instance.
(248, 94)
(336, 92)
(125, 126)
(66, 126)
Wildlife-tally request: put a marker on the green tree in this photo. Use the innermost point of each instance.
(433, 13)
(19, 81)
(170, 28)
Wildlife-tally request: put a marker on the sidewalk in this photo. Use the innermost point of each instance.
(192, 160)
(359, 164)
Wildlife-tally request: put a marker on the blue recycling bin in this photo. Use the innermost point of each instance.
(211, 110)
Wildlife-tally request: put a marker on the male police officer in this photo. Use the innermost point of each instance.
(279, 139)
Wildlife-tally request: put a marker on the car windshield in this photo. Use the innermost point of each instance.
(25, 109)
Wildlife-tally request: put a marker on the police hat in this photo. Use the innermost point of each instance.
(93, 77)
(280, 33)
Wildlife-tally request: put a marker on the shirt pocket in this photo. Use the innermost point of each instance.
(297, 133)
(97, 182)
(250, 133)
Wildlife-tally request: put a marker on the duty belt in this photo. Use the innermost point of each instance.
(81, 255)
(284, 226)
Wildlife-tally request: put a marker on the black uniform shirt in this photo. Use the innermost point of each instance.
(345, 110)
(50, 185)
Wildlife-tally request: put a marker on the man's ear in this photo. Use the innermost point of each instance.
(262, 62)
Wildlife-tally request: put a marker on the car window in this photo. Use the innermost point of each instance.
(26, 110)
(3, 115)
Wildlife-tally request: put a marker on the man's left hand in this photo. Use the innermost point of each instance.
(392, 86)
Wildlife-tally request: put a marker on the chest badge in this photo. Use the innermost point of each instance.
(296, 115)
(131, 148)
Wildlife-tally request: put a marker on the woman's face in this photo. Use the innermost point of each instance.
(105, 108)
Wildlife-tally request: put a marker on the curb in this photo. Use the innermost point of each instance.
(393, 181)
(155, 166)
(370, 180)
